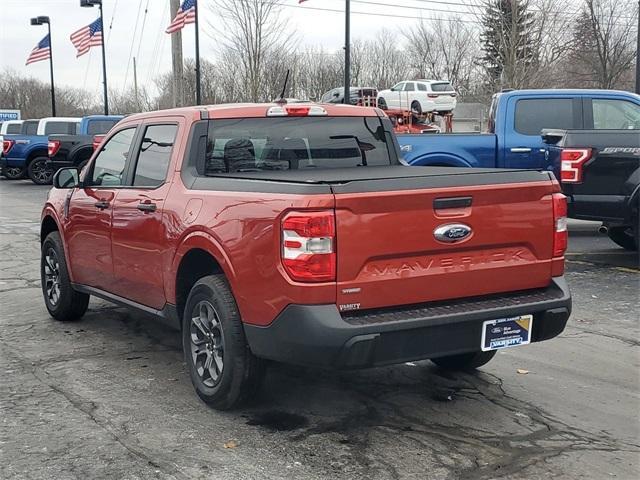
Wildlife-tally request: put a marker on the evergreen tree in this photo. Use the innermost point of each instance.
(507, 42)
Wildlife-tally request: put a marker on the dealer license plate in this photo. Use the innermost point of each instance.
(506, 332)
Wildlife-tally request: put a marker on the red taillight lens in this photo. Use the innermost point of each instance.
(572, 161)
(97, 140)
(7, 145)
(560, 234)
(308, 240)
(453, 94)
(432, 95)
(53, 146)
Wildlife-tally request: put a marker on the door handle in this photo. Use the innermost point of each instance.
(147, 207)
(102, 204)
(520, 150)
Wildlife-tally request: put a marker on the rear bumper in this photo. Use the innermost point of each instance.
(612, 209)
(318, 335)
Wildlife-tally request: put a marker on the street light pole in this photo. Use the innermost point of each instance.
(91, 3)
(40, 21)
(347, 53)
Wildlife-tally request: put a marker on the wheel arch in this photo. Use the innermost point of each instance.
(47, 226)
(35, 153)
(441, 160)
(198, 256)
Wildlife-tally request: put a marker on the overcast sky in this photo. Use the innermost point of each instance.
(17, 37)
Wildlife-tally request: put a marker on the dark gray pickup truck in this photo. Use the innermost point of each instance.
(600, 174)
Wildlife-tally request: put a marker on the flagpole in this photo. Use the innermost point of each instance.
(198, 91)
(53, 89)
(347, 53)
(104, 64)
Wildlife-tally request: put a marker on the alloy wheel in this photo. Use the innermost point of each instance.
(40, 172)
(207, 343)
(52, 277)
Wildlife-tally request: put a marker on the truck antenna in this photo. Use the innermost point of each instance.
(284, 89)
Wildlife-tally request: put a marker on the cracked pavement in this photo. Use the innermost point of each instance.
(109, 397)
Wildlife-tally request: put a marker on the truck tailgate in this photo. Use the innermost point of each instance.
(388, 254)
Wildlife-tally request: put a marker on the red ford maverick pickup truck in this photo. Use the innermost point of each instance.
(296, 233)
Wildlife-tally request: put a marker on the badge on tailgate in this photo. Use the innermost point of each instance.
(452, 232)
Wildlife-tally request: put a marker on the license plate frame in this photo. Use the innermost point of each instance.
(506, 332)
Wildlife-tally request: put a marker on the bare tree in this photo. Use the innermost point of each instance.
(252, 30)
(443, 48)
(603, 48)
(33, 97)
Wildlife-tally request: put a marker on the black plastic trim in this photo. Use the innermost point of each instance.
(168, 315)
(319, 335)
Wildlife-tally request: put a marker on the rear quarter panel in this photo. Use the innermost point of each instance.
(242, 231)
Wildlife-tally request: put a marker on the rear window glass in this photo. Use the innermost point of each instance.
(30, 128)
(100, 127)
(14, 128)
(294, 143)
(441, 87)
(60, 128)
(532, 115)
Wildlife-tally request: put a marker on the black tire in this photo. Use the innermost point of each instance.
(13, 173)
(465, 361)
(66, 304)
(626, 237)
(39, 172)
(212, 334)
(382, 104)
(416, 107)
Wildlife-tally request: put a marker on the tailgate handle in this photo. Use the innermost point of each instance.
(453, 202)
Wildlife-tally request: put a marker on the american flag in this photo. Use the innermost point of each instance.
(87, 37)
(41, 52)
(186, 14)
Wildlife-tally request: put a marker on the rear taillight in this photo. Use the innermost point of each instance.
(453, 94)
(7, 145)
(53, 146)
(308, 246)
(572, 161)
(432, 95)
(97, 140)
(560, 233)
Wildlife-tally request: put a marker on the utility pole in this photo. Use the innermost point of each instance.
(177, 61)
(135, 83)
(347, 52)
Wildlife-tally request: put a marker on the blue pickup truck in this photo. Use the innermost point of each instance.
(516, 120)
(28, 154)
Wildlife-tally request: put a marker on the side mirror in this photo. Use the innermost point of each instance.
(66, 178)
(552, 137)
(336, 94)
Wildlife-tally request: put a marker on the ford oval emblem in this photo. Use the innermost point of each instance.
(453, 232)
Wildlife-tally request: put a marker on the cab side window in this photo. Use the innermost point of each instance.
(409, 87)
(155, 155)
(609, 114)
(110, 164)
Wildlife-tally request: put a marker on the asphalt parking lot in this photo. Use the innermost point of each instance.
(109, 397)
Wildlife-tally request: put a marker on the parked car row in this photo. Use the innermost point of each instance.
(65, 140)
